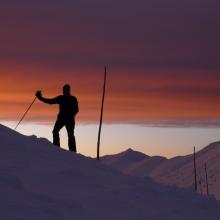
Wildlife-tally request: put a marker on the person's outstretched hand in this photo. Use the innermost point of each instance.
(38, 94)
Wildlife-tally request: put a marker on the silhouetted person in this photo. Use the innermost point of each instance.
(66, 117)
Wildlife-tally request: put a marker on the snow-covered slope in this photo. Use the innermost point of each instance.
(176, 171)
(39, 181)
(133, 162)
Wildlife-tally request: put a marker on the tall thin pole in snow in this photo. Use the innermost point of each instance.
(200, 183)
(101, 116)
(195, 173)
(206, 178)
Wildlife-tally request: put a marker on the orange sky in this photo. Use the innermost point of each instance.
(146, 97)
(162, 59)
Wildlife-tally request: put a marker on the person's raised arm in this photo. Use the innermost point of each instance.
(45, 100)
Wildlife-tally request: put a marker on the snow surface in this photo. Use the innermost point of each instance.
(177, 171)
(39, 181)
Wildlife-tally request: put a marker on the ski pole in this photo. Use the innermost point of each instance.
(25, 113)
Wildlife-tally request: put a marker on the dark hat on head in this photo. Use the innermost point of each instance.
(66, 86)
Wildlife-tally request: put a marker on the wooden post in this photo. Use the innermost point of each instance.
(195, 172)
(101, 116)
(206, 177)
(200, 183)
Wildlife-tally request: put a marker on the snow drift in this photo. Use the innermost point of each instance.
(176, 171)
(41, 181)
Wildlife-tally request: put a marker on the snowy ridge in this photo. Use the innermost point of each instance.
(41, 181)
(177, 171)
(133, 162)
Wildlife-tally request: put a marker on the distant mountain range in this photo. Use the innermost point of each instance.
(177, 171)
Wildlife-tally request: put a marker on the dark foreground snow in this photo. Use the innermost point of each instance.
(38, 181)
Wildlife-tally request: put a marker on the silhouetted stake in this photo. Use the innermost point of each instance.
(200, 183)
(25, 113)
(101, 116)
(195, 173)
(206, 178)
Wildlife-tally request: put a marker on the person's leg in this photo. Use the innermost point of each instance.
(71, 138)
(56, 138)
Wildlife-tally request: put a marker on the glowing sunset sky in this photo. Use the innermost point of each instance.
(163, 70)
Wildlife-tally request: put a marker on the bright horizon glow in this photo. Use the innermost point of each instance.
(168, 142)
